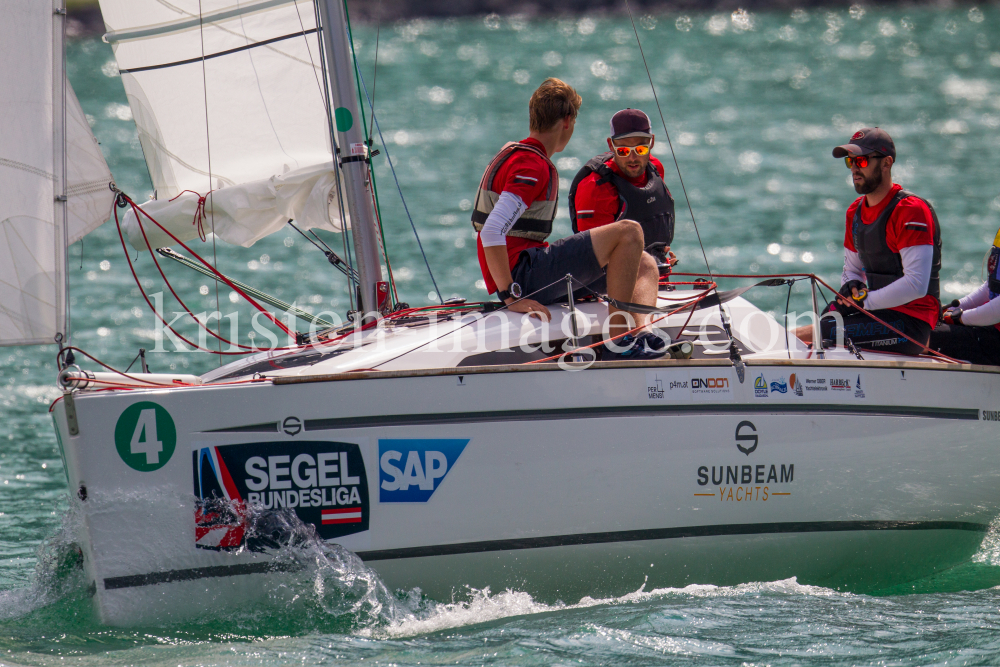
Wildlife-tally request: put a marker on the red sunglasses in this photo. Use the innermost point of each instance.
(861, 161)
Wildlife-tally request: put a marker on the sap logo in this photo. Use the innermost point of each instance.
(410, 470)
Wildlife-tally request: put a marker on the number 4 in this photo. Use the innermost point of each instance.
(144, 440)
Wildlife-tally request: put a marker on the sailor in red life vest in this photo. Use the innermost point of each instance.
(513, 213)
(892, 255)
(970, 326)
(626, 183)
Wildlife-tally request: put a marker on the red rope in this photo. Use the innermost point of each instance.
(199, 213)
(246, 297)
(244, 349)
(889, 326)
(149, 303)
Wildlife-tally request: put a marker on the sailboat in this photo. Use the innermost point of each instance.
(460, 445)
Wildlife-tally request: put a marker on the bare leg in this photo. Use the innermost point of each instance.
(647, 284)
(805, 334)
(618, 247)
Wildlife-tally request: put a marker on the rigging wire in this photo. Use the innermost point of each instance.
(673, 154)
(400, 190)
(371, 123)
(361, 84)
(734, 353)
(208, 146)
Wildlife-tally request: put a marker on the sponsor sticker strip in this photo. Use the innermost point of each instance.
(810, 385)
(712, 384)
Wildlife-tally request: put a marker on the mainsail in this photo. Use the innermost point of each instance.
(34, 225)
(228, 99)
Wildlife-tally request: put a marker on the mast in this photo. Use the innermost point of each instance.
(352, 151)
(59, 167)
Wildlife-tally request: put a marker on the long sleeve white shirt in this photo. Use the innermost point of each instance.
(913, 285)
(508, 209)
(978, 310)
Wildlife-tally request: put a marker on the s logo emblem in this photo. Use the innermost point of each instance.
(749, 436)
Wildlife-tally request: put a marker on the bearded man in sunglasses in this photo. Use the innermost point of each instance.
(513, 213)
(892, 255)
(626, 183)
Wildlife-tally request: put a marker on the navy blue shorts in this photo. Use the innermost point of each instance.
(977, 345)
(545, 269)
(866, 333)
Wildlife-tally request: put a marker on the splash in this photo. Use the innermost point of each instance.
(418, 616)
(58, 574)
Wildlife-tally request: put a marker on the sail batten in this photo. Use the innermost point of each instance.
(193, 21)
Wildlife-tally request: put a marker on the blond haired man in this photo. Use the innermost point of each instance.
(514, 210)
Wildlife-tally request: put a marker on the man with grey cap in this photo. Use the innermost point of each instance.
(626, 183)
(892, 255)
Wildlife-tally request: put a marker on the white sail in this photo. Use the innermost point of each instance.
(89, 199)
(33, 231)
(241, 214)
(226, 95)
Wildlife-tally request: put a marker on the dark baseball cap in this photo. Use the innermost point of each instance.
(630, 123)
(865, 141)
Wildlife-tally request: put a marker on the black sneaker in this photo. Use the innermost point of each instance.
(643, 347)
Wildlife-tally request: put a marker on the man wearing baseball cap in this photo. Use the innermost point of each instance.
(626, 183)
(892, 255)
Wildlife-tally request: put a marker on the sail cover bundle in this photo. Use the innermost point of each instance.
(227, 97)
(34, 226)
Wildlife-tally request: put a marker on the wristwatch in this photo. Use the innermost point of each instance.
(513, 290)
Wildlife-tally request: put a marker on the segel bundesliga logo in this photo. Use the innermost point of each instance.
(324, 483)
(410, 470)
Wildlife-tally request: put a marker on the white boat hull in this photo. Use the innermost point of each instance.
(608, 487)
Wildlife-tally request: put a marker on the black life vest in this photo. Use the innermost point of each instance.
(651, 206)
(536, 221)
(882, 265)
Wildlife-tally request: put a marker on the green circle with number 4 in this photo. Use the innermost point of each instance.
(145, 436)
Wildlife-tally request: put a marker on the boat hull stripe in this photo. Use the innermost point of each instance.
(665, 534)
(635, 411)
(332, 423)
(170, 576)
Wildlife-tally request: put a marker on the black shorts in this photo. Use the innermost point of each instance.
(977, 345)
(866, 333)
(545, 269)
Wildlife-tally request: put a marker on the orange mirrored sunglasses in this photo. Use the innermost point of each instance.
(623, 151)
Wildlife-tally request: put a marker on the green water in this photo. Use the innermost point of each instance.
(753, 107)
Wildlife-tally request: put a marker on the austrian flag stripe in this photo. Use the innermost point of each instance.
(345, 515)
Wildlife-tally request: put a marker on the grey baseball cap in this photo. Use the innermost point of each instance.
(865, 141)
